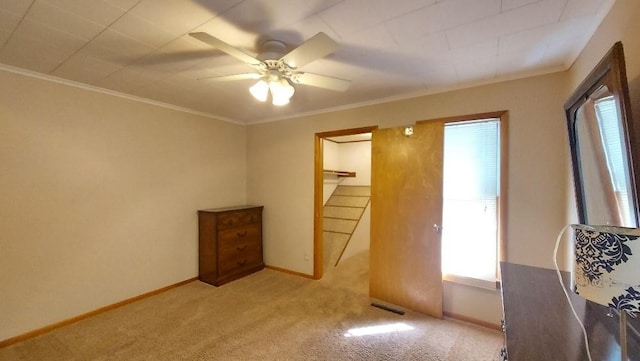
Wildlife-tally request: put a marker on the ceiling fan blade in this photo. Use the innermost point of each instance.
(316, 47)
(221, 45)
(233, 77)
(321, 81)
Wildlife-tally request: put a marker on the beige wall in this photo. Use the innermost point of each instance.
(280, 170)
(621, 24)
(331, 160)
(280, 164)
(356, 157)
(99, 193)
(99, 197)
(540, 191)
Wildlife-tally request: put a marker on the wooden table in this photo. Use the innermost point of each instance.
(539, 324)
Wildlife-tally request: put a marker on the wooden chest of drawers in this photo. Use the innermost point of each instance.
(230, 243)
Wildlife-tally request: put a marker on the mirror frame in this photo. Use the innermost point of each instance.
(610, 71)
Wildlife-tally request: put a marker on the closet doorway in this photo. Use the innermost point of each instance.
(338, 226)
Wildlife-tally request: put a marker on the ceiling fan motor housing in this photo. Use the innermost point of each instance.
(271, 54)
(272, 50)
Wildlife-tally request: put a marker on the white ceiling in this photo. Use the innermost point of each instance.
(389, 49)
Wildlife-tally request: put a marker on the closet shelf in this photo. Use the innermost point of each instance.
(340, 173)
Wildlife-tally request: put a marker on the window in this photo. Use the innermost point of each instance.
(471, 199)
(611, 134)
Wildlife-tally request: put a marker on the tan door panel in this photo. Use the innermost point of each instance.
(406, 204)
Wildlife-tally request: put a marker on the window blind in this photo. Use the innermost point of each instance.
(612, 136)
(471, 189)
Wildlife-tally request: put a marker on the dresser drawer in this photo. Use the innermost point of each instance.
(239, 248)
(238, 218)
(238, 234)
(240, 256)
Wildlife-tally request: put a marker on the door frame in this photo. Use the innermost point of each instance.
(318, 181)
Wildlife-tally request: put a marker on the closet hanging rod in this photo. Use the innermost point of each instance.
(340, 173)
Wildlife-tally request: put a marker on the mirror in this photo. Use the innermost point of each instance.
(602, 141)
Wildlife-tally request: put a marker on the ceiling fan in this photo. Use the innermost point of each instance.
(276, 70)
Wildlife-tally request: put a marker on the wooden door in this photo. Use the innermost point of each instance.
(406, 203)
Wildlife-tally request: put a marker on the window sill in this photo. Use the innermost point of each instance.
(473, 282)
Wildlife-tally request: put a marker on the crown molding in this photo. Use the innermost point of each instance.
(97, 89)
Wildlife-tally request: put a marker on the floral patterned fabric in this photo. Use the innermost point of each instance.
(607, 266)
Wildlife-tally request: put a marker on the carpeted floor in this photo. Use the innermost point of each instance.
(266, 316)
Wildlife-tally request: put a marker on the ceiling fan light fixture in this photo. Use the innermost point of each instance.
(281, 91)
(280, 101)
(276, 70)
(260, 90)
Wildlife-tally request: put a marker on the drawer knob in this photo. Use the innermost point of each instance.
(242, 234)
(241, 248)
(242, 263)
